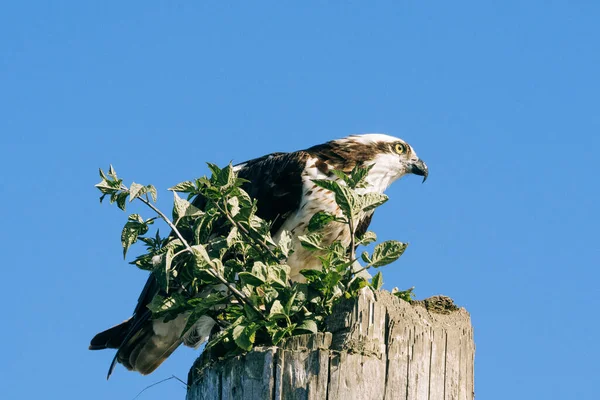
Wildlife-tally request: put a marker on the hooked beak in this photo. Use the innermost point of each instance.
(419, 168)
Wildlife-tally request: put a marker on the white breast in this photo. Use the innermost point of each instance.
(314, 199)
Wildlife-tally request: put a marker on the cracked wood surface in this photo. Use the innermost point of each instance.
(377, 347)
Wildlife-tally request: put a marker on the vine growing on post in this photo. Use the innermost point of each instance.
(220, 259)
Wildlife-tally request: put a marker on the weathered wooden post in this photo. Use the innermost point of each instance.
(377, 347)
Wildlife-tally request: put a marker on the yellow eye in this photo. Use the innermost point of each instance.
(400, 148)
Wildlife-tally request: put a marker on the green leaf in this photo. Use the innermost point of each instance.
(277, 275)
(251, 313)
(216, 171)
(358, 284)
(224, 178)
(108, 185)
(201, 254)
(287, 309)
(285, 242)
(246, 202)
(406, 295)
(201, 306)
(102, 176)
(184, 208)
(270, 294)
(152, 190)
(368, 238)
(358, 175)
(234, 206)
(167, 307)
(326, 184)
(311, 274)
(229, 174)
(336, 248)
(242, 337)
(370, 201)
(251, 279)
(168, 262)
(105, 187)
(311, 241)
(184, 187)
(377, 281)
(277, 310)
(203, 182)
(347, 200)
(206, 303)
(279, 335)
(365, 257)
(111, 172)
(343, 176)
(233, 237)
(134, 227)
(319, 221)
(203, 226)
(261, 270)
(135, 191)
(308, 325)
(157, 304)
(245, 335)
(386, 253)
(345, 197)
(194, 316)
(122, 200)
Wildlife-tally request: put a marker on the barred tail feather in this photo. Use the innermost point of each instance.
(111, 338)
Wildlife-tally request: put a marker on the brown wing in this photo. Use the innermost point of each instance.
(275, 181)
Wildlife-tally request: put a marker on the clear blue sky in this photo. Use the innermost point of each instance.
(501, 99)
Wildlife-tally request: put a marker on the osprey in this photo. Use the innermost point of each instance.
(282, 185)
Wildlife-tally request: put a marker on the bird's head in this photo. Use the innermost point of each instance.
(390, 157)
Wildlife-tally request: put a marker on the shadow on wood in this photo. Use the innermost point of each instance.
(377, 347)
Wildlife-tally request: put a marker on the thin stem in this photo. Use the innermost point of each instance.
(352, 239)
(355, 273)
(168, 221)
(159, 382)
(361, 270)
(180, 252)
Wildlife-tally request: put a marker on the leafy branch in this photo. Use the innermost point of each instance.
(220, 259)
(108, 186)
